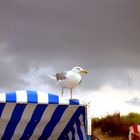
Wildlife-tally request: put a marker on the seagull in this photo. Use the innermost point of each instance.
(69, 79)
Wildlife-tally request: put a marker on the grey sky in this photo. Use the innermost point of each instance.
(100, 35)
(134, 101)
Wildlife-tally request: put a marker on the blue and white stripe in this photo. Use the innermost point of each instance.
(39, 115)
(35, 97)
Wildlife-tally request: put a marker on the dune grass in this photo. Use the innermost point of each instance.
(115, 124)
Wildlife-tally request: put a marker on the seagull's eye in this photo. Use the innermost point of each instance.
(78, 68)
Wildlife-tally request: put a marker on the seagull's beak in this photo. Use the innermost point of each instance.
(84, 71)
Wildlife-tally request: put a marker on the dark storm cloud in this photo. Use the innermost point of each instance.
(103, 36)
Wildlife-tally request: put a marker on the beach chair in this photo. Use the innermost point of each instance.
(39, 115)
(134, 132)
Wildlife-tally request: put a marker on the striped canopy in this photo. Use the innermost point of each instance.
(39, 115)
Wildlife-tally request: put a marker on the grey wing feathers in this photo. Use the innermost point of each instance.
(61, 76)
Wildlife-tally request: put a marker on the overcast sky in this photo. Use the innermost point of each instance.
(39, 37)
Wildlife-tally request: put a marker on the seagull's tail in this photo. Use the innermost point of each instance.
(52, 77)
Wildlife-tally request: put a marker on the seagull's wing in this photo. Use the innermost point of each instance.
(61, 76)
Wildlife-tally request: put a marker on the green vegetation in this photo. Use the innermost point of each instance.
(132, 118)
(116, 125)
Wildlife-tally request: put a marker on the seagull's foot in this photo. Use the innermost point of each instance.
(62, 92)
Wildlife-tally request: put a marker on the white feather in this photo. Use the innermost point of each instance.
(52, 77)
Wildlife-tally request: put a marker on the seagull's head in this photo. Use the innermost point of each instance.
(79, 70)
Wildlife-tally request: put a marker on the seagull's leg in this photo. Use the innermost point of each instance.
(71, 93)
(62, 91)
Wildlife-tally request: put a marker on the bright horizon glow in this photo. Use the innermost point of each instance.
(109, 100)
